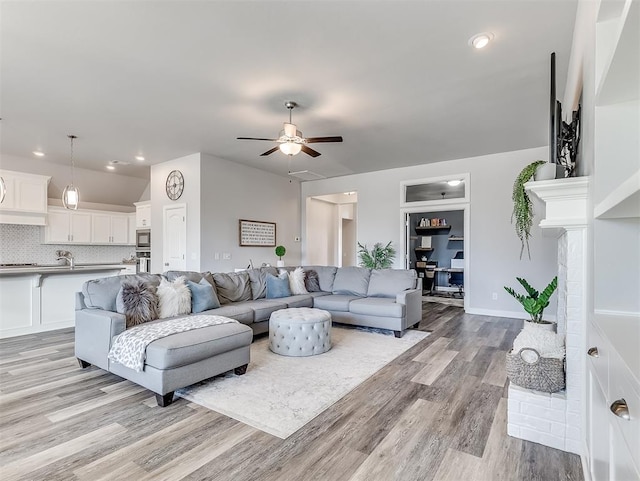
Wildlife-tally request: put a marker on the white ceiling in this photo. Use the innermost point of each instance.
(166, 79)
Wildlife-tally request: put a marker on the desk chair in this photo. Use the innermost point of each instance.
(456, 279)
(430, 276)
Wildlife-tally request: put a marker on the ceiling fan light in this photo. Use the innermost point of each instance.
(290, 148)
(290, 130)
(71, 197)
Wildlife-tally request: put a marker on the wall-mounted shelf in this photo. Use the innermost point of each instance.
(423, 249)
(432, 228)
(456, 238)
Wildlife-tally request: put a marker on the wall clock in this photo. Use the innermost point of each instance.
(175, 184)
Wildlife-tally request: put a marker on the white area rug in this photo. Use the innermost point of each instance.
(280, 394)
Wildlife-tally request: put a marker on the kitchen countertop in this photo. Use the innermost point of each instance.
(58, 269)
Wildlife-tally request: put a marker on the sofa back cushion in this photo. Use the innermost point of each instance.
(257, 277)
(389, 282)
(352, 281)
(101, 293)
(190, 276)
(326, 276)
(232, 286)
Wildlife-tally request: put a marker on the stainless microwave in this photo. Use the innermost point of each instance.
(143, 239)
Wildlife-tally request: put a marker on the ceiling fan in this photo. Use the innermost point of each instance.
(291, 141)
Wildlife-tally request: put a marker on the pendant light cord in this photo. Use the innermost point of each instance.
(72, 162)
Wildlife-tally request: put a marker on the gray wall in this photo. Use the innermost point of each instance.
(493, 246)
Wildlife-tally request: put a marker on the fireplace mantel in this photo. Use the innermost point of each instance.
(565, 199)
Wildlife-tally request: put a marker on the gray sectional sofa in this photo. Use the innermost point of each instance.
(386, 299)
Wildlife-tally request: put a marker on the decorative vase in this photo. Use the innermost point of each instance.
(545, 326)
(549, 171)
(280, 263)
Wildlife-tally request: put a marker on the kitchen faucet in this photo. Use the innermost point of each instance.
(68, 256)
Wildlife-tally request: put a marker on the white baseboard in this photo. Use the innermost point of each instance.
(500, 313)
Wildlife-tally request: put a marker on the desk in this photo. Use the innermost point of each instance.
(443, 269)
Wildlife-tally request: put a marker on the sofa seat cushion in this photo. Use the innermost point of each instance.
(301, 300)
(187, 347)
(334, 302)
(377, 306)
(318, 294)
(237, 311)
(262, 308)
(389, 282)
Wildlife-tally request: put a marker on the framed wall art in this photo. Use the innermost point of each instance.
(255, 233)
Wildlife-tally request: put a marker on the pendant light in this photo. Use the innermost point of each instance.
(3, 190)
(71, 194)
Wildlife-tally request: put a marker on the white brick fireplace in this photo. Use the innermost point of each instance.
(557, 420)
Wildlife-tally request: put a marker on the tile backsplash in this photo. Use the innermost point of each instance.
(23, 244)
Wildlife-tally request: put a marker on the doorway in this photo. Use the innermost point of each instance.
(331, 229)
(174, 256)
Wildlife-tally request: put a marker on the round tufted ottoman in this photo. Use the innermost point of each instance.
(300, 331)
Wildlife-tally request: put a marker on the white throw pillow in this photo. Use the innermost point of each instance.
(174, 298)
(296, 282)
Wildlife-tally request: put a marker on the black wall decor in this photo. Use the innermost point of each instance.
(564, 138)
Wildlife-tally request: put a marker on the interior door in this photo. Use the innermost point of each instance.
(175, 238)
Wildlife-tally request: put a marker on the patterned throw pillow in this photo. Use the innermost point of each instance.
(312, 281)
(138, 301)
(296, 282)
(175, 298)
(278, 287)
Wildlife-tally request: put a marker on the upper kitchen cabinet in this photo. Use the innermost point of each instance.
(143, 215)
(109, 229)
(131, 218)
(25, 201)
(67, 227)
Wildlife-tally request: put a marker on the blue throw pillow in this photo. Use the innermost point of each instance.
(203, 297)
(278, 286)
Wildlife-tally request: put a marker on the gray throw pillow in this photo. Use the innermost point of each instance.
(138, 302)
(232, 287)
(312, 281)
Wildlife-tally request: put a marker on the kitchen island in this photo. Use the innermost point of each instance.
(37, 298)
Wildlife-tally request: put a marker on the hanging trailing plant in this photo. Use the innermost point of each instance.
(522, 205)
(380, 257)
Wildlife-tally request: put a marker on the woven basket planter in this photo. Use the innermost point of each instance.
(544, 374)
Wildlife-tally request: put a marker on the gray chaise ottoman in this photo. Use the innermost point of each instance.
(300, 331)
(185, 358)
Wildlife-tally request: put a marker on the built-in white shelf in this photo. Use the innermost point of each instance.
(622, 202)
(617, 62)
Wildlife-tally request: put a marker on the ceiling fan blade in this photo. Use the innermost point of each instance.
(270, 151)
(254, 138)
(311, 152)
(315, 140)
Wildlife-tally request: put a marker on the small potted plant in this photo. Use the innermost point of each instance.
(280, 252)
(380, 257)
(535, 302)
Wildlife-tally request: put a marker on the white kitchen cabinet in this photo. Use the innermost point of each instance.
(109, 229)
(131, 218)
(143, 215)
(67, 227)
(26, 198)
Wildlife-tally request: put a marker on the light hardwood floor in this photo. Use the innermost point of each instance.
(438, 412)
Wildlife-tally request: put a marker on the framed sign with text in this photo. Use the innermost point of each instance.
(255, 233)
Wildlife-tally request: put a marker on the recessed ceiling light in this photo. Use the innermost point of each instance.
(481, 40)
(111, 167)
(453, 183)
(38, 153)
(139, 158)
